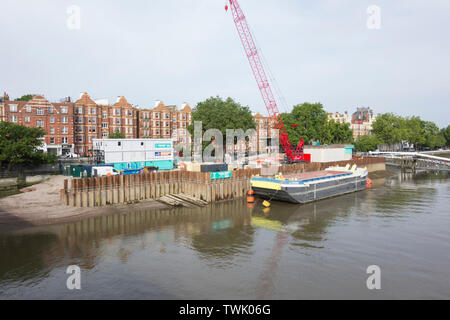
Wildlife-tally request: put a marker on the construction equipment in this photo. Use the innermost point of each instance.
(262, 80)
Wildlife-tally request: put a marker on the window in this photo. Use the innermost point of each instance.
(80, 110)
(118, 112)
(52, 130)
(167, 131)
(65, 140)
(52, 119)
(130, 112)
(65, 120)
(13, 118)
(28, 108)
(94, 111)
(40, 112)
(64, 109)
(52, 140)
(104, 125)
(80, 138)
(27, 119)
(105, 116)
(13, 107)
(104, 134)
(39, 123)
(117, 121)
(80, 149)
(65, 130)
(50, 110)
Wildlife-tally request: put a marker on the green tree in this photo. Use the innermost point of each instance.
(117, 135)
(390, 128)
(366, 143)
(216, 113)
(18, 145)
(310, 122)
(26, 97)
(415, 131)
(445, 132)
(307, 121)
(336, 132)
(433, 137)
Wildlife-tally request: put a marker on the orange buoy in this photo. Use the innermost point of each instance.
(250, 197)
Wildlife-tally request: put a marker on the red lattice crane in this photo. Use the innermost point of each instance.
(257, 67)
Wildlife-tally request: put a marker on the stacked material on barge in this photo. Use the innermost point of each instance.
(311, 186)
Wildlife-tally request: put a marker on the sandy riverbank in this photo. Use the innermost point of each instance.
(42, 206)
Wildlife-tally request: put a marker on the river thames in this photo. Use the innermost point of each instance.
(229, 251)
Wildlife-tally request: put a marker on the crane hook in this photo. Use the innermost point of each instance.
(226, 7)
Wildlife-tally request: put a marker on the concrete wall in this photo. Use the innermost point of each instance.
(13, 183)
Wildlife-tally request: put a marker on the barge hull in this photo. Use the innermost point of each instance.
(317, 189)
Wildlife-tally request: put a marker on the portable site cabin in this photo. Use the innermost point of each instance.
(126, 154)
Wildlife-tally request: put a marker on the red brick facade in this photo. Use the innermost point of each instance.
(71, 127)
(55, 118)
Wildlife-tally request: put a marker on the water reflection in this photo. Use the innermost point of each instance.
(244, 245)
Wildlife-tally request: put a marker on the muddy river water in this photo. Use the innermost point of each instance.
(232, 251)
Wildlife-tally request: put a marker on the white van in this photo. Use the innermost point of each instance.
(103, 171)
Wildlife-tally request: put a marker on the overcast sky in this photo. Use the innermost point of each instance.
(188, 50)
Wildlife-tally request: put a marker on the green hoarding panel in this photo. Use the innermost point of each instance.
(163, 145)
(221, 175)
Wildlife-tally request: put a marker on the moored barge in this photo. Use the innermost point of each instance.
(311, 186)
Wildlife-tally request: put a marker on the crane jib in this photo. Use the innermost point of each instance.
(263, 82)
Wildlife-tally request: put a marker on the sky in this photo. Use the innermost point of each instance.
(188, 50)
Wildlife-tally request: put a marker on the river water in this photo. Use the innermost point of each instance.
(230, 251)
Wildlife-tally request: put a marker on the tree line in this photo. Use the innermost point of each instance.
(392, 129)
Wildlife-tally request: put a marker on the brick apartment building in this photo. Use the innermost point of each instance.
(55, 118)
(360, 121)
(71, 126)
(165, 122)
